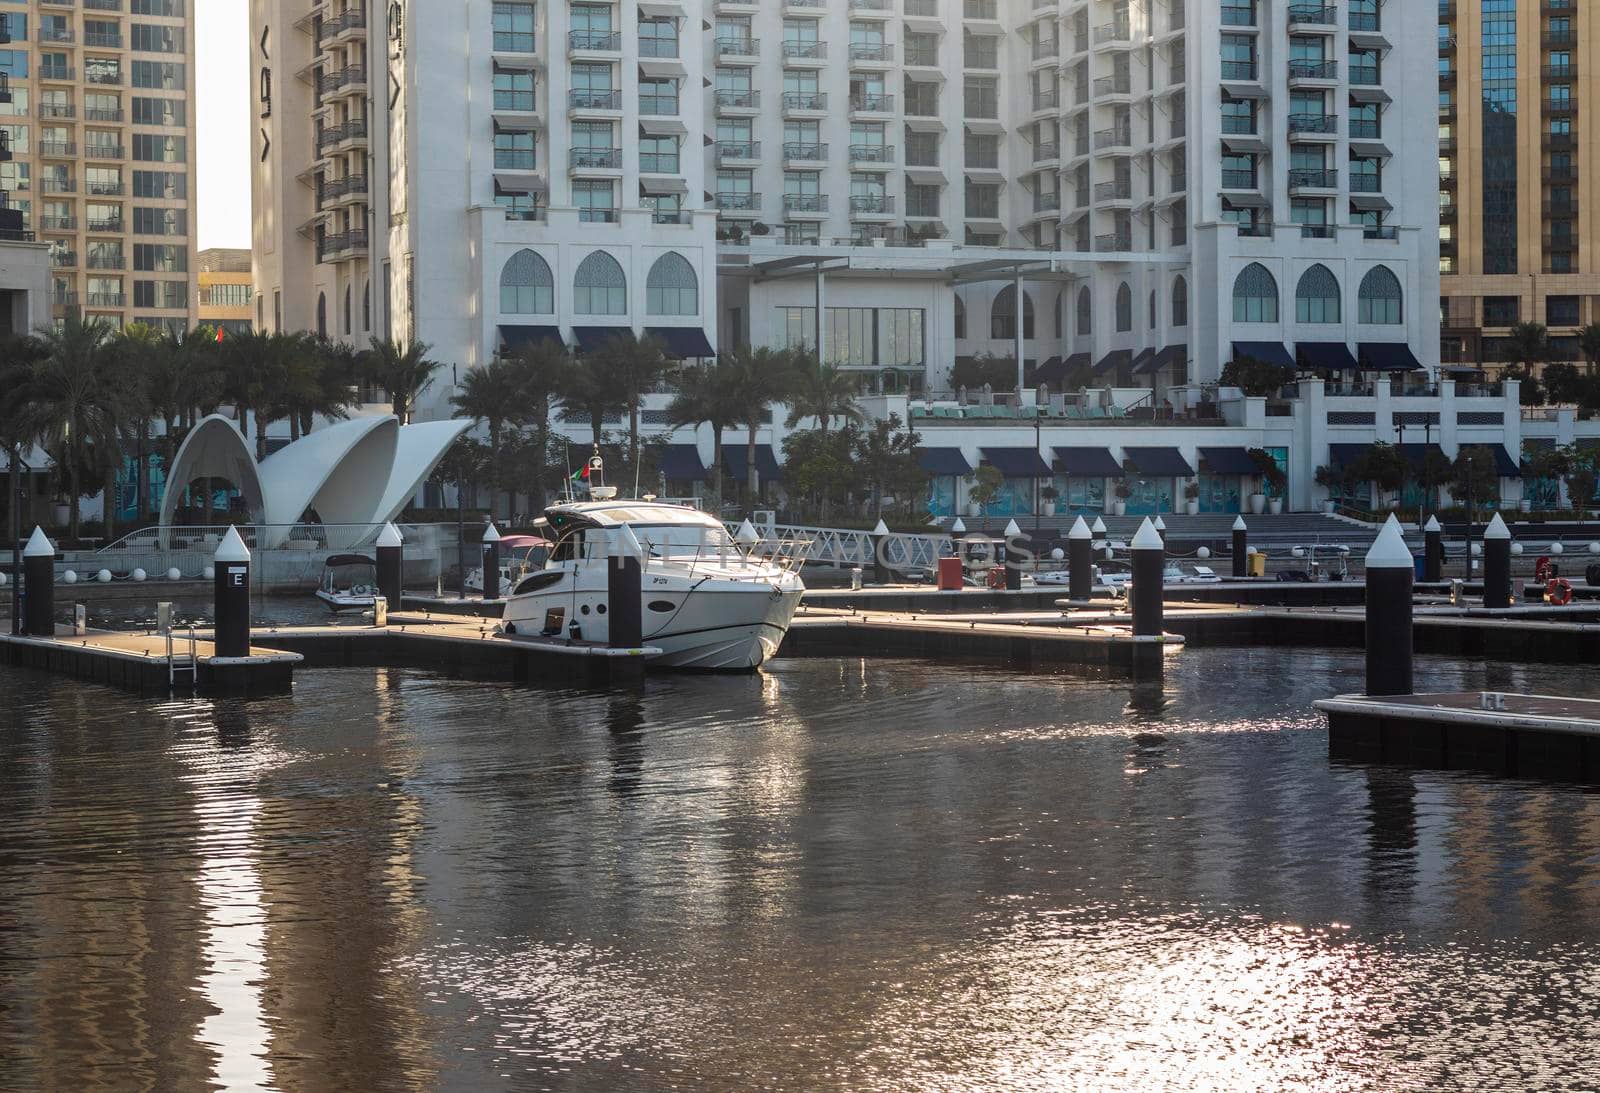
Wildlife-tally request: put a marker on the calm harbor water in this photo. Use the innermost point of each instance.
(831, 875)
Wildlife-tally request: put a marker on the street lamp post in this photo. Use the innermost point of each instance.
(1036, 441)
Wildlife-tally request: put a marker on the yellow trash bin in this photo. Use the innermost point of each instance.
(1256, 565)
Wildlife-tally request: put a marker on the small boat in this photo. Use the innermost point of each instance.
(708, 601)
(349, 583)
(519, 556)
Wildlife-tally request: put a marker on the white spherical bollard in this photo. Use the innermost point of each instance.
(210, 574)
(104, 576)
(1298, 552)
(1556, 548)
(1594, 548)
(139, 575)
(174, 574)
(70, 577)
(1477, 549)
(1203, 552)
(3, 580)
(1516, 549)
(1056, 554)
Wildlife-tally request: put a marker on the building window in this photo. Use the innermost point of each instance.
(1124, 308)
(1316, 297)
(1085, 312)
(1379, 299)
(513, 27)
(1255, 295)
(322, 315)
(672, 287)
(1003, 314)
(1180, 302)
(960, 330)
(1561, 311)
(526, 286)
(599, 288)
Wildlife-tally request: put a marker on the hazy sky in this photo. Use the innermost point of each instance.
(223, 116)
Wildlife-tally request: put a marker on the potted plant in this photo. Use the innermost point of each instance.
(1191, 494)
(1269, 477)
(1047, 498)
(986, 482)
(1124, 488)
(1330, 480)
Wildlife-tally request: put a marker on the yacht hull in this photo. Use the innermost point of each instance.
(737, 627)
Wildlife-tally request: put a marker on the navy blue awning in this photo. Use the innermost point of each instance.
(1331, 356)
(1388, 357)
(1226, 461)
(1159, 462)
(682, 341)
(1343, 455)
(515, 337)
(682, 462)
(1171, 356)
(733, 458)
(1504, 464)
(1144, 361)
(1016, 462)
(591, 338)
(1113, 360)
(944, 461)
(1266, 352)
(1052, 371)
(1414, 453)
(1087, 463)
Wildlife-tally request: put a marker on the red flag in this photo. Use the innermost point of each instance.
(219, 333)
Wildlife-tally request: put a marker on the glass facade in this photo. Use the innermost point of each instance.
(1499, 136)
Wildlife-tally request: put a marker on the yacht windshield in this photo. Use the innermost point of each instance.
(682, 540)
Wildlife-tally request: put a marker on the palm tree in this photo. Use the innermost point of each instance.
(488, 395)
(138, 350)
(541, 369)
(705, 396)
(72, 410)
(1528, 345)
(19, 355)
(318, 381)
(1589, 345)
(587, 391)
(823, 392)
(248, 380)
(402, 369)
(630, 365)
(182, 382)
(756, 379)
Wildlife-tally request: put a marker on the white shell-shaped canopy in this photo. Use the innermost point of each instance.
(353, 474)
(214, 448)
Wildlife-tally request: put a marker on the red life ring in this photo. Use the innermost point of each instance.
(1558, 592)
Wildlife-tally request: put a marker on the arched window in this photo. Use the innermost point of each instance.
(599, 288)
(1003, 314)
(672, 288)
(1124, 308)
(526, 286)
(1316, 297)
(1152, 309)
(961, 319)
(1180, 302)
(1255, 295)
(1379, 300)
(366, 305)
(322, 315)
(346, 328)
(1085, 312)
(1061, 314)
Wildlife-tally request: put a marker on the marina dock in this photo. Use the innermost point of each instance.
(1522, 736)
(467, 647)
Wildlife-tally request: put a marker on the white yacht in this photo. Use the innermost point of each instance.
(708, 601)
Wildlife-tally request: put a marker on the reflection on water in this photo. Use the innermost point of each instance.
(832, 875)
